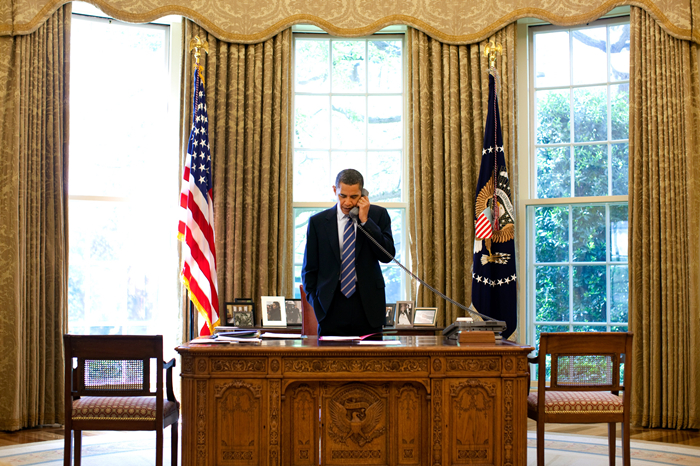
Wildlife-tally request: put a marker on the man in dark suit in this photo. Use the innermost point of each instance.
(347, 300)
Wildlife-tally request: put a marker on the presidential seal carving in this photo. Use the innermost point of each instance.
(357, 416)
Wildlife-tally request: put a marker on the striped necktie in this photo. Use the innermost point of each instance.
(347, 260)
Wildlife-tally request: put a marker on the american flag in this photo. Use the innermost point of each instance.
(493, 274)
(196, 228)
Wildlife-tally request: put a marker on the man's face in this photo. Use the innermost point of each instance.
(348, 195)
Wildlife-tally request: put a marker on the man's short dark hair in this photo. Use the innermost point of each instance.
(349, 177)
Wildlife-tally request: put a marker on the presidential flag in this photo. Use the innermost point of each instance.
(196, 228)
(493, 274)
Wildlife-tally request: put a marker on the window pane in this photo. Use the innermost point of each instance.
(618, 233)
(301, 223)
(385, 66)
(397, 223)
(385, 122)
(553, 116)
(118, 275)
(552, 234)
(619, 52)
(313, 76)
(348, 122)
(553, 172)
(101, 164)
(552, 59)
(619, 111)
(589, 293)
(590, 55)
(619, 292)
(589, 233)
(340, 160)
(552, 294)
(384, 175)
(311, 125)
(312, 176)
(620, 169)
(590, 114)
(349, 66)
(591, 169)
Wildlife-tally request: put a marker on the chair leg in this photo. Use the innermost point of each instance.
(611, 442)
(159, 446)
(626, 460)
(78, 446)
(173, 443)
(67, 446)
(540, 443)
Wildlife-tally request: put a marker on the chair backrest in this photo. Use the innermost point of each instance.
(585, 361)
(113, 365)
(309, 323)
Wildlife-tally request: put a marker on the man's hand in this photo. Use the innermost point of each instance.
(363, 204)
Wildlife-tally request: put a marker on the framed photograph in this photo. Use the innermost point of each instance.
(293, 311)
(244, 315)
(390, 314)
(425, 317)
(273, 311)
(240, 315)
(404, 314)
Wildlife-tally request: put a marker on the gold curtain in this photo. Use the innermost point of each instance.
(33, 209)
(664, 208)
(449, 99)
(248, 99)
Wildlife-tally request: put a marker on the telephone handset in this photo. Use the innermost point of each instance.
(355, 211)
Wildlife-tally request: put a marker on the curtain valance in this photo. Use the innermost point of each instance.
(450, 21)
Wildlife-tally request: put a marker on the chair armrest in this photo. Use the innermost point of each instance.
(168, 366)
(534, 359)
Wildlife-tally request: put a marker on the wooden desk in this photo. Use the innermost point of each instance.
(305, 402)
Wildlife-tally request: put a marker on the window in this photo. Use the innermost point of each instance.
(576, 201)
(123, 176)
(349, 113)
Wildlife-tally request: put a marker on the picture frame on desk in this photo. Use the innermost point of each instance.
(390, 318)
(293, 310)
(240, 314)
(425, 317)
(404, 314)
(273, 311)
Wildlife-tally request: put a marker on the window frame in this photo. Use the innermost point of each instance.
(391, 32)
(527, 183)
(173, 54)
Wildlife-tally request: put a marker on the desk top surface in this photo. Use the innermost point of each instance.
(311, 344)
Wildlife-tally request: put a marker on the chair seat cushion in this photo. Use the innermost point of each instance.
(577, 402)
(137, 408)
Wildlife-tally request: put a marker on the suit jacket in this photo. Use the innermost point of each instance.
(320, 272)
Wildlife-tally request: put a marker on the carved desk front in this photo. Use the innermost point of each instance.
(303, 402)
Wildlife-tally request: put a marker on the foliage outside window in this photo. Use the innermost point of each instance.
(577, 208)
(348, 113)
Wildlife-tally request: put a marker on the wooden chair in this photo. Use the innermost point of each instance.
(108, 387)
(584, 385)
(309, 324)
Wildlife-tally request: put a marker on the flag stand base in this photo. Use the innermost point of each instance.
(477, 337)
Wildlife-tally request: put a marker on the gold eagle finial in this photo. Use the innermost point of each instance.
(490, 51)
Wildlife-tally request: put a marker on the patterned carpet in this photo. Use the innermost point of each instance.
(137, 448)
